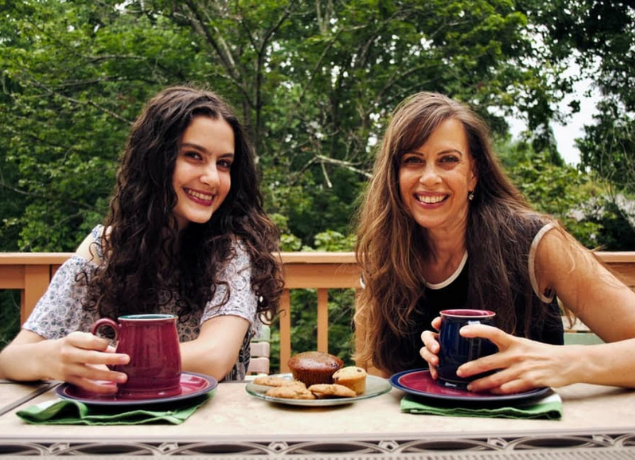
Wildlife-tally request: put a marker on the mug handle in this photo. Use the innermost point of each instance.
(105, 322)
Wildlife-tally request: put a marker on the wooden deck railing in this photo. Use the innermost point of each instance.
(31, 273)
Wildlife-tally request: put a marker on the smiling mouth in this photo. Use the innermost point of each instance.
(431, 199)
(199, 195)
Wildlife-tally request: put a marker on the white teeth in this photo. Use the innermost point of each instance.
(431, 199)
(200, 196)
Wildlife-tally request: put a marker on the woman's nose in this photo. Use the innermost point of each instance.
(429, 175)
(210, 175)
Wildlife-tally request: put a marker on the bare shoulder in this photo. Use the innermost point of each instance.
(87, 249)
(583, 284)
(561, 262)
(558, 250)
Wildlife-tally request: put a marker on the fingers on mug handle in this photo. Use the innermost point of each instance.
(105, 322)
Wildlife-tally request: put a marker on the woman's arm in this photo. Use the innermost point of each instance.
(592, 293)
(79, 358)
(586, 287)
(215, 350)
(224, 327)
(600, 300)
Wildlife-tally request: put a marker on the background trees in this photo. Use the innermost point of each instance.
(600, 36)
(316, 81)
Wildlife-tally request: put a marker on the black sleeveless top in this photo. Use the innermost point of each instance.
(547, 329)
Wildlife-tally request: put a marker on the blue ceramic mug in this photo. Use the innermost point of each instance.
(457, 350)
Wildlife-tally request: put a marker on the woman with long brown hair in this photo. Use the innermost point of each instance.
(186, 235)
(442, 227)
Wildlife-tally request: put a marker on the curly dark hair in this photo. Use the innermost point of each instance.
(140, 265)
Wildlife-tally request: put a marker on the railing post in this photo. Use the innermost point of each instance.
(358, 339)
(36, 281)
(323, 320)
(285, 330)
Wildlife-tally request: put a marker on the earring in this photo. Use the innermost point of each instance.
(470, 196)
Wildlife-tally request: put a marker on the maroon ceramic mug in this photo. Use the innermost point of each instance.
(151, 341)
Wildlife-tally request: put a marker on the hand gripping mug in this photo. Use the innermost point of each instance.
(152, 342)
(456, 349)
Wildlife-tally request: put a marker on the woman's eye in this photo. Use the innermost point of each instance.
(449, 159)
(411, 160)
(192, 154)
(225, 164)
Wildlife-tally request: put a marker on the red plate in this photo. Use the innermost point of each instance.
(419, 382)
(192, 385)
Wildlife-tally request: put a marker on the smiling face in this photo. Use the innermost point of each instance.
(201, 178)
(436, 177)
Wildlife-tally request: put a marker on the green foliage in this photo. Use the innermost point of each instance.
(315, 82)
(583, 205)
(599, 37)
(609, 146)
(331, 241)
(9, 316)
(613, 227)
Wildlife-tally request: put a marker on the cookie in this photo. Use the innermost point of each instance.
(290, 392)
(271, 381)
(331, 390)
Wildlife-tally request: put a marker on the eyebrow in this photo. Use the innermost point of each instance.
(204, 150)
(442, 152)
(451, 151)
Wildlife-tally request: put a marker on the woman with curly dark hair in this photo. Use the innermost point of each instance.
(186, 235)
(442, 227)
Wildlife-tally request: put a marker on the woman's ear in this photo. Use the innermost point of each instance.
(473, 179)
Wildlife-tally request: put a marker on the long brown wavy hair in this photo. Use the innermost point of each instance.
(141, 265)
(392, 248)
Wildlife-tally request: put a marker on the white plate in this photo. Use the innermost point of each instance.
(375, 386)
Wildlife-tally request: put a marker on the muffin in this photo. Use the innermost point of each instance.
(351, 377)
(313, 367)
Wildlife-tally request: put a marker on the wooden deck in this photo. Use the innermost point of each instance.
(31, 273)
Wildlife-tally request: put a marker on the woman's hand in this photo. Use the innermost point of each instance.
(523, 364)
(431, 347)
(82, 360)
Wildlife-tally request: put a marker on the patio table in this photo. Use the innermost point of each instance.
(598, 422)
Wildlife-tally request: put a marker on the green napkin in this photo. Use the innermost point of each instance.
(549, 407)
(66, 412)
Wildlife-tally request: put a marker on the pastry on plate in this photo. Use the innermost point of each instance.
(312, 367)
(352, 377)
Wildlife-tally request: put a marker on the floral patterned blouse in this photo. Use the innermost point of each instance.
(59, 312)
